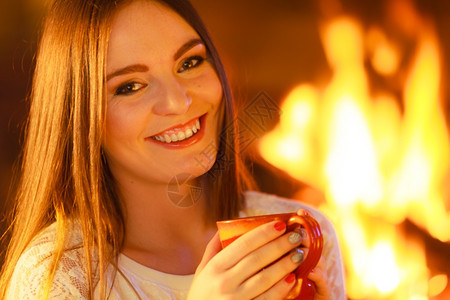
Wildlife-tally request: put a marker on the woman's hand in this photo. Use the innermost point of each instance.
(320, 278)
(319, 274)
(252, 267)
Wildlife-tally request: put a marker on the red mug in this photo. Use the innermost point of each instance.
(230, 230)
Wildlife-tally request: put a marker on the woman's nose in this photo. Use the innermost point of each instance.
(173, 99)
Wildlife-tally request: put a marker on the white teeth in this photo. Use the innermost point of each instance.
(180, 135)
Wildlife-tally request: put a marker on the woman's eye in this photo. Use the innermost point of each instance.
(129, 88)
(190, 63)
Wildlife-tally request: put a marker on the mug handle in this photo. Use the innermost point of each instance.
(312, 227)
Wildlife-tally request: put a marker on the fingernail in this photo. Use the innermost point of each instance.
(297, 256)
(291, 278)
(280, 226)
(295, 237)
(303, 233)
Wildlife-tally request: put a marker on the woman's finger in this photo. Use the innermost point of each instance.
(319, 276)
(281, 289)
(265, 255)
(305, 237)
(248, 243)
(267, 278)
(303, 212)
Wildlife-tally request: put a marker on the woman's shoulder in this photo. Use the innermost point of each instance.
(34, 265)
(258, 203)
(263, 203)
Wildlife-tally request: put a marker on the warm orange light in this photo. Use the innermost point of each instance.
(385, 56)
(385, 272)
(377, 164)
(351, 167)
(437, 284)
(421, 176)
(287, 145)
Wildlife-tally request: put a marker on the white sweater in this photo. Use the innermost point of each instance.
(135, 281)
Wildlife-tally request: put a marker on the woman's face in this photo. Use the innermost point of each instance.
(163, 97)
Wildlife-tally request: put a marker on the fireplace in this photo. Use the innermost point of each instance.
(374, 140)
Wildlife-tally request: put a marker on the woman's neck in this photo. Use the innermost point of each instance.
(164, 232)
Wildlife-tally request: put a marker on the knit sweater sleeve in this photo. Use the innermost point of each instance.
(33, 266)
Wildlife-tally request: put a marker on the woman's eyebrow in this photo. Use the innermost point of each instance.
(186, 46)
(127, 70)
(143, 68)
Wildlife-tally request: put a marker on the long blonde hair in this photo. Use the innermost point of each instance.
(64, 174)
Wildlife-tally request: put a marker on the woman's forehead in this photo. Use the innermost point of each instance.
(146, 28)
(148, 17)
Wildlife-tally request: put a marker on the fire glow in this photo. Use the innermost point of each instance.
(378, 163)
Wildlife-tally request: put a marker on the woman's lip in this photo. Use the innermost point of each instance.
(186, 142)
(178, 126)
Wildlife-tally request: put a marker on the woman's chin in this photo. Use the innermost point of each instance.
(191, 172)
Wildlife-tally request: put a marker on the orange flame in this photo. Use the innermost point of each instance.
(376, 165)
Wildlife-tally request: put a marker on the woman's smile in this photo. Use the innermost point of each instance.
(182, 135)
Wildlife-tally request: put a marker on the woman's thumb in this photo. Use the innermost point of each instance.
(211, 250)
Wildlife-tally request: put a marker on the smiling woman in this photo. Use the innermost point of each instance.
(161, 91)
(139, 118)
